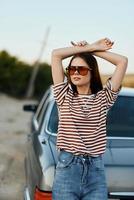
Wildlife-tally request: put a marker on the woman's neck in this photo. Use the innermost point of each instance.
(83, 90)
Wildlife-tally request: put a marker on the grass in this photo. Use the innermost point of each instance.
(128, 80)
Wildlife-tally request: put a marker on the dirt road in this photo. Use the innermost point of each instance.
(14, 126)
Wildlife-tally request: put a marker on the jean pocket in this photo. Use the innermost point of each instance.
(98, 163)
(64, 159)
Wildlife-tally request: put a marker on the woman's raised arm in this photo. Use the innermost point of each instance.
(59, 54)
(121, 65)
(119, 61)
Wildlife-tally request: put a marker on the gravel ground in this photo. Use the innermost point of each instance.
(14, 126)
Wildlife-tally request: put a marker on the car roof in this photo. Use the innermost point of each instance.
(125, 91)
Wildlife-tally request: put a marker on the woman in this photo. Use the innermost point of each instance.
(83, 105)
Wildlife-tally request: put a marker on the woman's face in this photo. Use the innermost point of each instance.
(80, 74)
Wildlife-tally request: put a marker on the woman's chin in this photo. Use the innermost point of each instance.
(77, 83)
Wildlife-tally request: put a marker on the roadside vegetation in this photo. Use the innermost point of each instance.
(128, 80)
(15, 76)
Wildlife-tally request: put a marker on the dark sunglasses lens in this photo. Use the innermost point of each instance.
(83, 71)
(71, 70)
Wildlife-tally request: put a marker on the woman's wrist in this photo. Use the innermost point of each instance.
(90, 47)
(84, 46)
(63, 53)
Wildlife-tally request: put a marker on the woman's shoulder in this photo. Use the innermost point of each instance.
(59, 86)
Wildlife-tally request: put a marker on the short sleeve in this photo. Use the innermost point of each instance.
(111, 95)
(60, 90)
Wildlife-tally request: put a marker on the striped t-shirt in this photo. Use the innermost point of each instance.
(82, 119)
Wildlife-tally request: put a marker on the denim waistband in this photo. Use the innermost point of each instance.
(84, 156)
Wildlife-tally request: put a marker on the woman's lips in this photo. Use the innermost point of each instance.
(76, 78)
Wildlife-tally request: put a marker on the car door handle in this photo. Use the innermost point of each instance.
(44, 141)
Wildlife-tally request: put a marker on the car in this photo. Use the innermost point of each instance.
(41, 157)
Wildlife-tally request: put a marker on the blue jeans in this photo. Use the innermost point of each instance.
(79, 178)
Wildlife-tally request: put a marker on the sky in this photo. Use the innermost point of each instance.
(24, 23)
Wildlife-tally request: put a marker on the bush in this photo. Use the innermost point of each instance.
(15, 76)
(43, 80)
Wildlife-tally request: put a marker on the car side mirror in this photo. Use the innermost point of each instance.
(30, 107)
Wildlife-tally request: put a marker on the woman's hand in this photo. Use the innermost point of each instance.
(103, 44)
(100, 45)
(80, 44)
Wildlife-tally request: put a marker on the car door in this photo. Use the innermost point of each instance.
(51, 128)
(120, 129)
(32, 167)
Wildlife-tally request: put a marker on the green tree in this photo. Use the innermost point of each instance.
(43, 80)
(15, 76)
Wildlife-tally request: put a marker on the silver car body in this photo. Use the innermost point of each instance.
(41, 155)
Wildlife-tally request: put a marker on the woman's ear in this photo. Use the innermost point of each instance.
(66, 72)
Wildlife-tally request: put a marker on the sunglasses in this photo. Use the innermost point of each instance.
(82, 70)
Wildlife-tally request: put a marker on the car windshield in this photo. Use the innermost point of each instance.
(120, 120)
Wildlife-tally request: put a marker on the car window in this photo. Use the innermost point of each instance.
(120, 120)
(53, 120)
(42, 108)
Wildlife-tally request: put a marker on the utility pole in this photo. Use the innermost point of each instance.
(30, 90)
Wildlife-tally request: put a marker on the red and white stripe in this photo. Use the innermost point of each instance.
(83, 130)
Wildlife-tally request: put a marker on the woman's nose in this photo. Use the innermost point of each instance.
(76, 71)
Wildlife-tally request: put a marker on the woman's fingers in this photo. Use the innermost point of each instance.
(81, 43)
(73, 43)
(108, 42)
(84, 42)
